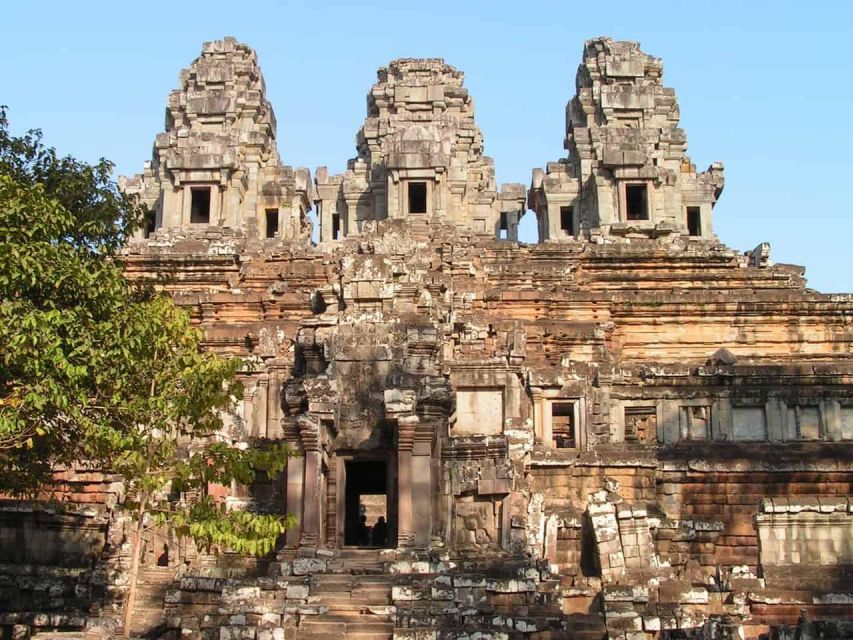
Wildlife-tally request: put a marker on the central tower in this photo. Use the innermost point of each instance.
(420, 155)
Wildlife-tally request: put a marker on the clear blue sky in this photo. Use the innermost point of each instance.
(766, 87)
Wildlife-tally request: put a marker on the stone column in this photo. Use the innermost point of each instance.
(309, 432)
(274, 429)
(261, 427)
(543, 430)
(311, 501)
(406, 426)
(249, 409)
(547, 423)
(405, 535)
(537, 414)
(349, 223)
(422, 492)
(295, 480)
(172, 207)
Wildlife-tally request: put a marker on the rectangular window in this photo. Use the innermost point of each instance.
(641, 424)
(749, 423)
(150, 223)
(563, 425)
(695, 423)
(567, 220)
(272, 222)
(336, 226)
(636, 202)
(694, 221)
(417, 197)
(200, 205)
(806, 421)
(847, 423)
(503, 232)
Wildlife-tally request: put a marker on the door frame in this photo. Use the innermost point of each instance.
(387, 456)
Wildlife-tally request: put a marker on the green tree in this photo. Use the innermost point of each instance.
(62, 223)
(95, 369)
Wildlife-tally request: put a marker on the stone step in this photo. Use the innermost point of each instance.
(351, 635)
(339, 577)
(353, 612)
(145, 619)
(346, 568)
(353, 586)
(345, 587)
(345, 581)
(345, 626)
(339, 599)
(316, 625)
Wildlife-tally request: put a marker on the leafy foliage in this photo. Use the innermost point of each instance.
(61, 225)
(94, 369)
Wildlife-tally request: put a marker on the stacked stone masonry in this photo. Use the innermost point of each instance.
(627, 430)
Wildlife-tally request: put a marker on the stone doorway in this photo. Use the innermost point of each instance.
(367, 503)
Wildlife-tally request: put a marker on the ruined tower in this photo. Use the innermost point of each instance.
(627, 173)
(216, 165)
(420, 155)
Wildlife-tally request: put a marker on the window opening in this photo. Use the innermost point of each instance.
(847, 422)
(567, 220)
(272, 223)
(563, 425)
(504, 230)
(807, 421)
(150, 223)
(641, 424)
(696, 423)
(200, 207)
(417, 197)
(336, 226)
(636, 201)
(694, 221)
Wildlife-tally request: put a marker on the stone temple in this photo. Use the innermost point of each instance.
(627, 430)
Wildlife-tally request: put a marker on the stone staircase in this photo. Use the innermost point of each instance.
(354, 598)
(385, 595)
(152, 584)
(419, 228)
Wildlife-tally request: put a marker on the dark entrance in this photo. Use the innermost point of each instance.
(365, 503)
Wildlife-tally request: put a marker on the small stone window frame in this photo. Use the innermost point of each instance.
(798, 421)
(692, 411)
(196, 194)
(545, 402)
(410, 198)
(846, 421)
(645, 410)
(693, 220)
(568, 224)
(626, 189)
(150, 223)
(271, 222)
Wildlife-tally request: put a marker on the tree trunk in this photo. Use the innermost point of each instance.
(135, 538)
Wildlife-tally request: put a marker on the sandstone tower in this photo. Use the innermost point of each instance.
(216, 164)
(626, 430)
(627, 172)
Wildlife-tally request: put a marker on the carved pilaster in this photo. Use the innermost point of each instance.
(309, 433)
